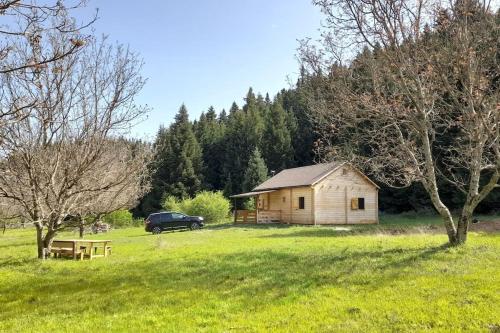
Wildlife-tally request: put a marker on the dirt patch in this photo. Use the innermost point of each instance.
(483, 226)
(486, 226)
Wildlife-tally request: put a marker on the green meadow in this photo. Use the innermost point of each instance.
(265, 278)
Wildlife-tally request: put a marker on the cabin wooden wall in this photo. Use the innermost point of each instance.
(333, 198)
(290, 212)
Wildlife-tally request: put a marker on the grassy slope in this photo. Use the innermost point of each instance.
(247, 279)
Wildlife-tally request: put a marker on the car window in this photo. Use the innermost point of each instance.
(165, 217)
(177, 216)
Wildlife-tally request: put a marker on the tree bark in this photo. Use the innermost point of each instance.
(463, 225)
(40, 242)
(47, 241)
(44, 242)
(81, 227)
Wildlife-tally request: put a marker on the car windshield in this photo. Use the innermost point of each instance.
(178, 216)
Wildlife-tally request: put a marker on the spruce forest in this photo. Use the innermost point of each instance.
(233, 151)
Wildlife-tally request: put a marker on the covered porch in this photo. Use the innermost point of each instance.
(262, 214)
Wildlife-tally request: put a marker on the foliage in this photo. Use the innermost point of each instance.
(277, 151)
(411, 100)
(291, 277)
(209, 131)
(82, 166)
(256, 171)
(212, 206)
(177, 166)
(183, 159)
(121, 219)
(171, 203)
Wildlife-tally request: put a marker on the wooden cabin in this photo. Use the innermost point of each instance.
(329, 193)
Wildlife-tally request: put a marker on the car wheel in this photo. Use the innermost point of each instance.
(156, 231)
(195, 226)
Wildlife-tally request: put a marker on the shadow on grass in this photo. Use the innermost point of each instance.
(354, 230)
(164, 232)
(243, 279)
(11, 245)
(232, 225)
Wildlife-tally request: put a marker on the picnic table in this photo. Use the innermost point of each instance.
(80, 248)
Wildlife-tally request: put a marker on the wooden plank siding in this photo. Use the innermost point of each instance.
(333, 196)
(328, 201)
(290, 212)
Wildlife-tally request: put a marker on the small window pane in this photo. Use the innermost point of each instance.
(361, 203)
(284, 199)
(301, 203)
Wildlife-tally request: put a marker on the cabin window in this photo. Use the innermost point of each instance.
(344, 172)
(357, 203)
(283, 199)
(361, 203)
(301, 203)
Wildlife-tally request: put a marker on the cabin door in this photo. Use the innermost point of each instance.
(263, 202)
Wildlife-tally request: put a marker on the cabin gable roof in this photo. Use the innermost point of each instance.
(295, 177)
(305, 176)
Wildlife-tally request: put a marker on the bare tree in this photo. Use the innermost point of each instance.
(25, 32)
(409, 90)
(123, 164)
(62, 155)
(27, 24)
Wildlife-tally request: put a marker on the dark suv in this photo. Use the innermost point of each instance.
(157, 222)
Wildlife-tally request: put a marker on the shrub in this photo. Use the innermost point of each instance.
(171, 203)
(213, 206)
(120, 218)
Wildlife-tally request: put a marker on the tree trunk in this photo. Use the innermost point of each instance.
(40, 242)
(47, 241)
(81, 229)
(463, 227)
(44, 242)
(450, 227)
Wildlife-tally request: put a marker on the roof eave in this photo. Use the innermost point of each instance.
(328, 173)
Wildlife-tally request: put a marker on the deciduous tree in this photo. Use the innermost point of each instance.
(431, 71)
(62, 156)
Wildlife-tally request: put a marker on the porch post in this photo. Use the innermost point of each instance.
(234, 209)
(256, 203)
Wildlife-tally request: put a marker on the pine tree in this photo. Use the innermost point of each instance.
(210, 136)
(234, 150)
(223, 117)
(151, 202)
(243, 135)
(184, 159)
(250, 101)
(278, 152)
(256, 171)
(300, 126)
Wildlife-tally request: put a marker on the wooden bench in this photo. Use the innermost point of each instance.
(81, 248)
(66, 249)
(87, 250)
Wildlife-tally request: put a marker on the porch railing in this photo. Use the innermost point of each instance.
(269, 216)
(245, 216)
(262, 216)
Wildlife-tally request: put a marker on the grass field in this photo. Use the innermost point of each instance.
(257, 279)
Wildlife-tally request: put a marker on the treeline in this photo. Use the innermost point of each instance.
(233, 151)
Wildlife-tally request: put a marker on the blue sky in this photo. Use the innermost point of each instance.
(208, 52)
